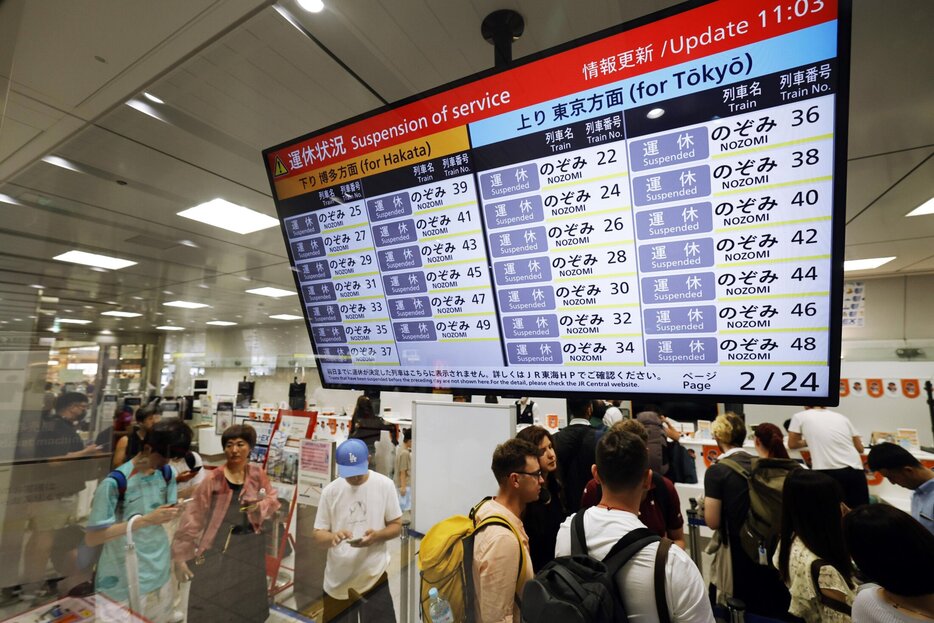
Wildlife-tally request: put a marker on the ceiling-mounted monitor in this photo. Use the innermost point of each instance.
(656, 209)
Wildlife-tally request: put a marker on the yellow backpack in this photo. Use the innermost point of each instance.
(445, 561)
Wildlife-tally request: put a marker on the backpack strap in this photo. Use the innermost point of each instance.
(833, 604)
(120, 478)
(736, 467)
(661, 559)
(627, 547)
(578, 538)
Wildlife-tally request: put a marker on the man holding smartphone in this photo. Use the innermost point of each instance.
(358, 513)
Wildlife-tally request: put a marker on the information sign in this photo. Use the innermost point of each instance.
(656, 209)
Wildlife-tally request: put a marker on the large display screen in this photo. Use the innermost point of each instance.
(656, 209)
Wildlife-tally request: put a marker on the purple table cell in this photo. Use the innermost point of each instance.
(522, 271)
(334, 354)
(514, 212)
(512, 181)
(415, 331)
(669, 149)
(304, 250)
(405, 283)
(672, 320)
(313, 271)
(415, 307)
(688, 288)
(330, 335)
(670, 186)
(681, 255)
(301, 226)
(537, 326)
(391, 206)
(399, 259)
(318, 293)
(534, 353)
(695, 218)
(395, 233)
(683, 350)
(519, 242)
(538, 298)
(321, 314)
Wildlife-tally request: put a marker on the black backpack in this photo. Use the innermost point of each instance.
(580, 589)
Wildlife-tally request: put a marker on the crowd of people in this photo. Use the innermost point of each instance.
(792, 543)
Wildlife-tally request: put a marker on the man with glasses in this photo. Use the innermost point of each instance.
(501, 562)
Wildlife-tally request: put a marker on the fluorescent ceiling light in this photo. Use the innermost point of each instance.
(312, 6)
(186, 304)
(221, 323)
(37, 286)
(146, 108)
(275, 293)
(61, 162)
(52, 362)
(153, 98)
(286, 317)
(230, 216)
(867, 264)
(94, 259)
(169, 327)
(655, 113)
(925, 208)
(72, 321)
(9, 199)
(121, 314)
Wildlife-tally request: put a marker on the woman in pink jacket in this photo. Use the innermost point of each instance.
(220, 545)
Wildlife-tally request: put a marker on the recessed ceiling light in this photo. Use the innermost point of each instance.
(37, 286)
(72, 321)
(112, 303)
(106, 332)
(230, 216)
(170, 328)
(867, 264)
(204, 286)
(89, 307)
(655, 113)
(94, 259)
(275, 293)
(312, 6)
(121, 314)
(188, 243)
(925, 208)
(152, 98)
(97, 269)
(61, 162)
(137, 298)
(186, 304)
(286, 317)
(220, 323)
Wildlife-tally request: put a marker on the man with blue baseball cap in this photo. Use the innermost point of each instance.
(358, 513)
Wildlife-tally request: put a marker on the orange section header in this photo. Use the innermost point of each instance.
(412, 152)
(688, 36)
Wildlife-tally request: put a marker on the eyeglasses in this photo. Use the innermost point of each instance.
(536, 474)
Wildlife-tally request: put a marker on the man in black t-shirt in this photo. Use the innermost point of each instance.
(575, 446)
(52, 502)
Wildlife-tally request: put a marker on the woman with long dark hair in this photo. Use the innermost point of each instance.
(543, 517)
(769, 441)
(812, 558)
(903, 587)
(366, 425)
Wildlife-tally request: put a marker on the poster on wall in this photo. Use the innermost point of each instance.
(854, 304)
(654, 209)
(314, 470)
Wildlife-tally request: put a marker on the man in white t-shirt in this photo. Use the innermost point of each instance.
(622, 470)
(358, 513)
(835, 448)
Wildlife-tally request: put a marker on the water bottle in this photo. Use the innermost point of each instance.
(439, 609)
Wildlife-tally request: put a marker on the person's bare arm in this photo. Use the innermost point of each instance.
(161, 515)
(372, 537)
(325, 539)
(795, 441)
(678, 537)
(712, 507)
(858, 444)
(120, 451)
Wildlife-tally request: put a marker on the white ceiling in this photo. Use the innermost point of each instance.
(237, 77)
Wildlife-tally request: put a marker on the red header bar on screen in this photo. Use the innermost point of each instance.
(694, 34)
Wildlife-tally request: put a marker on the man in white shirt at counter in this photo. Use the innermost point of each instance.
(835, 447)
(902, 468)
